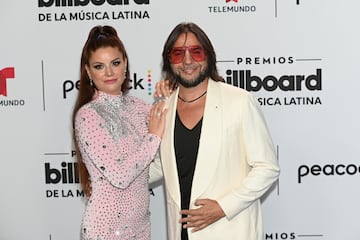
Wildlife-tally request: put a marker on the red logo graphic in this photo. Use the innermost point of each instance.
(5, 74)
(231, 0)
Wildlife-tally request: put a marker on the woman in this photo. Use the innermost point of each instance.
(116, 137)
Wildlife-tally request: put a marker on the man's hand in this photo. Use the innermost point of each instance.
(208, 213)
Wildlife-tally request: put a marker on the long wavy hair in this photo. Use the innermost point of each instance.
(99, 37)
(189, 27)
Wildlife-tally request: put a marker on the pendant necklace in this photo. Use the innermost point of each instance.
(190, 101)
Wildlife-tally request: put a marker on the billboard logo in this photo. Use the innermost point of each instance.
(245, 79)
(68, 173)
(82, 14)
(4, 75)
(231, 1)
(76, 3)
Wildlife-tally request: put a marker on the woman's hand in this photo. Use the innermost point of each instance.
(157, 118)
(162, 90)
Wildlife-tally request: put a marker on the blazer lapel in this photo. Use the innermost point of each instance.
(168, 153)
(210, 141)
(209, 146)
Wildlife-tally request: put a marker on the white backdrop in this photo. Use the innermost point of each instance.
(299, 57)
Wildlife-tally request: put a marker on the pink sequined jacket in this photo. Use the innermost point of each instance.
(117, 149)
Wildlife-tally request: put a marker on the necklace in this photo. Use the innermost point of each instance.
(190, 101)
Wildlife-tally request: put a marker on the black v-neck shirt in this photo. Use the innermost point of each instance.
(186, 145)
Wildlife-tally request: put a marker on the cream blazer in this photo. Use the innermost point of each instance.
(236, 165)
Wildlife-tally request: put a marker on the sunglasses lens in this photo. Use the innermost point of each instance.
(177, 54)
(197, 53)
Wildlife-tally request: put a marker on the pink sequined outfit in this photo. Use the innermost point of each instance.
(117, 150)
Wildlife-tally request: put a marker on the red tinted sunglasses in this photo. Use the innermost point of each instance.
(177, 54)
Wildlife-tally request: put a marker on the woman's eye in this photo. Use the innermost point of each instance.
(116, 63)
(98, 66)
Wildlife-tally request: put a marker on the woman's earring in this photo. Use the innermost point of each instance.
(91, 82)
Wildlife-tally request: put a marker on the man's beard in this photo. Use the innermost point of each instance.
(192, 83)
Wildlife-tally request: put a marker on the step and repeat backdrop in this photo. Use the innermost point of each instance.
(300, 58)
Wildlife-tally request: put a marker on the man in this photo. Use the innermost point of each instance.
(217, 155)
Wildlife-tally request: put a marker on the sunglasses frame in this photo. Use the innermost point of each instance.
(197, 57)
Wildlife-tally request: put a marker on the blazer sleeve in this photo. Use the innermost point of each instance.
(155, 173)
(258, 152)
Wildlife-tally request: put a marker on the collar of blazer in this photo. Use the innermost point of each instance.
(209, 146)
